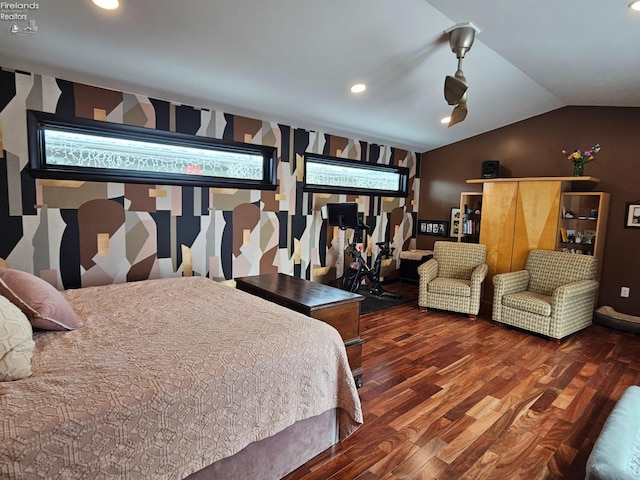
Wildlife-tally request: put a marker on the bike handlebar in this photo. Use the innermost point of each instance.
(385, 249)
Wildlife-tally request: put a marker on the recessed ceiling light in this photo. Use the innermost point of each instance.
(635, 5)
(358, 88)
(107, 4)
(445, 120)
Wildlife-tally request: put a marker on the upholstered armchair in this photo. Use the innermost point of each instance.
(452, 279)
(554, 296)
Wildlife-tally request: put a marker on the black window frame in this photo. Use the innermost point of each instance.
(38, 122)
(403, 172)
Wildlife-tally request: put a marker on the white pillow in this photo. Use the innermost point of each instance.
(16, 342)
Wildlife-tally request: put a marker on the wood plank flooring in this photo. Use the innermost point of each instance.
(445, 397)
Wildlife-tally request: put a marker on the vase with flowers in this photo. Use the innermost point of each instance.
(580, 157)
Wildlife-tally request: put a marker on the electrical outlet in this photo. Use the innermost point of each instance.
(624, 292)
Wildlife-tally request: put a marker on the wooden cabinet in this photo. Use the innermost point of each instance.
(582, 226)
(518, 215)
(469, 226)
(338, 308)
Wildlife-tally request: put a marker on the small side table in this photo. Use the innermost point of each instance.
(410, 260)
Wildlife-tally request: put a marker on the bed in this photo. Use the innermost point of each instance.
(173, 378)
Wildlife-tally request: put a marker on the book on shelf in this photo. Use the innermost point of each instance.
(563, 234)
(470, 227)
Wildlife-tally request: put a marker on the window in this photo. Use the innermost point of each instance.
(335, 175)
(90, 150)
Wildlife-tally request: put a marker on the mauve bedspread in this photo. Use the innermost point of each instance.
(166, 377)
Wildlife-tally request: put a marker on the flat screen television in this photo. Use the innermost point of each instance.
(343, 214)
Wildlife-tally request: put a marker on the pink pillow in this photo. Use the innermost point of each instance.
(44, 306)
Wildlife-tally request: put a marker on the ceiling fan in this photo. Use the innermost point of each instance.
(461, 38)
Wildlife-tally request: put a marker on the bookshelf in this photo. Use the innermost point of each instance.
(582, 225)
(470, 216)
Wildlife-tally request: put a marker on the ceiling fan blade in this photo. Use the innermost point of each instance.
(459, 114)
(454, 89)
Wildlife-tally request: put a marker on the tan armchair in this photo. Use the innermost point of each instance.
(452, 279)
(554, 296)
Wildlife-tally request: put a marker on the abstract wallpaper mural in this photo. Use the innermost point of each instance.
(75, 234)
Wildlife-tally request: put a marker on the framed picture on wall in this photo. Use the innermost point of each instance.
(454, 224)
(632, 220)
(433, 227)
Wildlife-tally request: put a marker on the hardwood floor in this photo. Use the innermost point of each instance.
(445, 397)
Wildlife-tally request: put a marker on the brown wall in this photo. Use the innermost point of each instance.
(532, 148)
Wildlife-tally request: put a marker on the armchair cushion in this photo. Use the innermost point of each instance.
(458, 260)
(550, 270)
(450, 286)
(529, 302)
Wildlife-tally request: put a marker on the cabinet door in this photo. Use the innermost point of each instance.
(499, 202)
(537, 214)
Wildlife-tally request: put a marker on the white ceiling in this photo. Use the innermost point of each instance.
(293, 61)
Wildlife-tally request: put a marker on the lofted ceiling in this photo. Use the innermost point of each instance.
(293, 61)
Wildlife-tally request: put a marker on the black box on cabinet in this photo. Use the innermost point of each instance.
(490, 169)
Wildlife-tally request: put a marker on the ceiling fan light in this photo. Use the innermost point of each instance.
(107, 4)
(635, 5)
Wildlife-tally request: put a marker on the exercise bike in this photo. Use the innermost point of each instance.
(360, 274)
